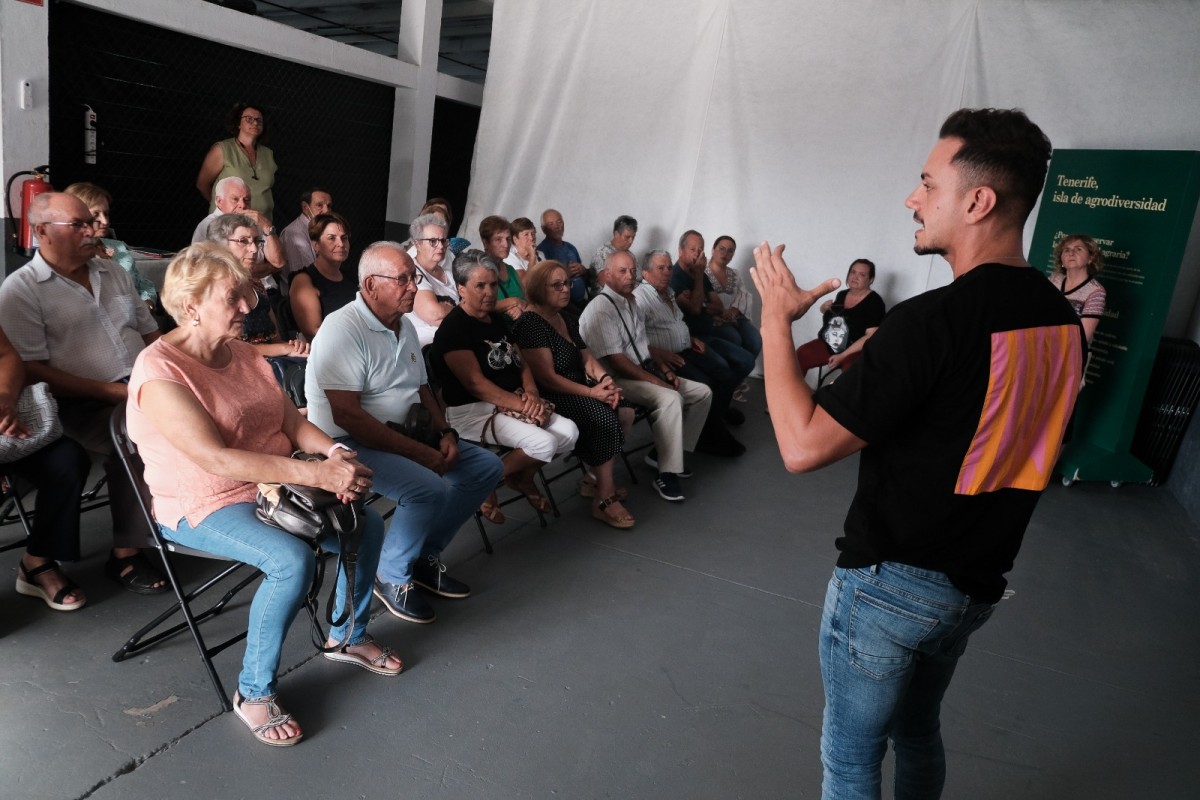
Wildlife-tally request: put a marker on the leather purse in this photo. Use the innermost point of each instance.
(311, 513)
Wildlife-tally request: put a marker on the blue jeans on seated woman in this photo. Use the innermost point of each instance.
(743, 333)
(287, 564)
(891, 636)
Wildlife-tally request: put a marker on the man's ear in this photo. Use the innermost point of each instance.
(981, 201)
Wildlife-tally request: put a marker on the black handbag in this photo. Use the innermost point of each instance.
(418, 426)
(311, 513)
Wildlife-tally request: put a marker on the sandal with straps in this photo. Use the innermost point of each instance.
(141, 576)
(378, 664)
(276, 717)
(490, 509)
(599, 511)
(587, 488)
(529, 490)
(27, 586)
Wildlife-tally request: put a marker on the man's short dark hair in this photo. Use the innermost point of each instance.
(1003, 149)
(307, 196)
(624, 223)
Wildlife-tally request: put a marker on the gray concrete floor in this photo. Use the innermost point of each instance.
(677, 660)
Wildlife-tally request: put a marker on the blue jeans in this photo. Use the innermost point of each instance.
(430, 508)
(722, 367)
(751, 336)
(890, 639)
(287, 564)
(743, 333)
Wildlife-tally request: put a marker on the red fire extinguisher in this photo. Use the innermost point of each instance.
(30, 188)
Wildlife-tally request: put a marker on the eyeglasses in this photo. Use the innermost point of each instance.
(246, 241)
(249, 120)
(77, 224)
(432, 242)
(403, 281)
(558, 286)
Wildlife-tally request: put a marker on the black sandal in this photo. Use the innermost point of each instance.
(27, 586)
(140, 579)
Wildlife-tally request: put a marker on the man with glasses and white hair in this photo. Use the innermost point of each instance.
(366, 371)
(437, 294)
(232, 196)
(78, 324)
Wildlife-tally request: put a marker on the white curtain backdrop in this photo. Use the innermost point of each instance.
(805, 122)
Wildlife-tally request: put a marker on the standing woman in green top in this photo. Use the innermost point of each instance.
(242, 155)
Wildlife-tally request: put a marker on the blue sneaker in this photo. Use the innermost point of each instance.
(430, 574)
(401, 601)
(667, 486)
(651, 460)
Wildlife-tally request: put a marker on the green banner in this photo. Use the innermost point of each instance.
(1139, 205)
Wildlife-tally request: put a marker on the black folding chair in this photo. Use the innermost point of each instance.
(640, 413)
(12, 510)
(126, 450)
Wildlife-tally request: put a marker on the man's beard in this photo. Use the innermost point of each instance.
(931, 250)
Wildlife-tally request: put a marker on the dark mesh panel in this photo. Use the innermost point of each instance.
(161, 99)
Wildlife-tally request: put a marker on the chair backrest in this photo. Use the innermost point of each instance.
(432, 378)
(290, 371)
(126, 452)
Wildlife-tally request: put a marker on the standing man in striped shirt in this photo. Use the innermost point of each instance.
(958, 405)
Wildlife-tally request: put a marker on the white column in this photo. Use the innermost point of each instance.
(412, 120)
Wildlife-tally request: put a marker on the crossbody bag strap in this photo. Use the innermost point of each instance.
(629, 333)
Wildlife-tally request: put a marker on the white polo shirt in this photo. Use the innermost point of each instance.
(353, 351)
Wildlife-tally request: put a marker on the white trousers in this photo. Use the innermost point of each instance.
(543, 444)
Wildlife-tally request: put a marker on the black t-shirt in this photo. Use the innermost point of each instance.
(492, 346)
(843, 326)
(962, 395)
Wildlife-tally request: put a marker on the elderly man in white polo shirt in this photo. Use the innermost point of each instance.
(366, 370)
(78, 324)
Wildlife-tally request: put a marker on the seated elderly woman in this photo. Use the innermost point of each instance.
(211, 423)
(572, 379)
(496, 233)
(58, 471)
(489, 390)
(238, 234)
(328, 283)
(437, 293)
(849, 320)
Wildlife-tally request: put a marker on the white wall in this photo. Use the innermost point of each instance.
(804, 121)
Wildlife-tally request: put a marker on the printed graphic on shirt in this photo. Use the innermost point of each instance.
(837, 335)
(501, 354)
(1035, 375)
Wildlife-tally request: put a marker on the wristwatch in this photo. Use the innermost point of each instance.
(444, 431)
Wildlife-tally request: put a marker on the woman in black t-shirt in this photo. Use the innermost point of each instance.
(849, 319)
(489, 390)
